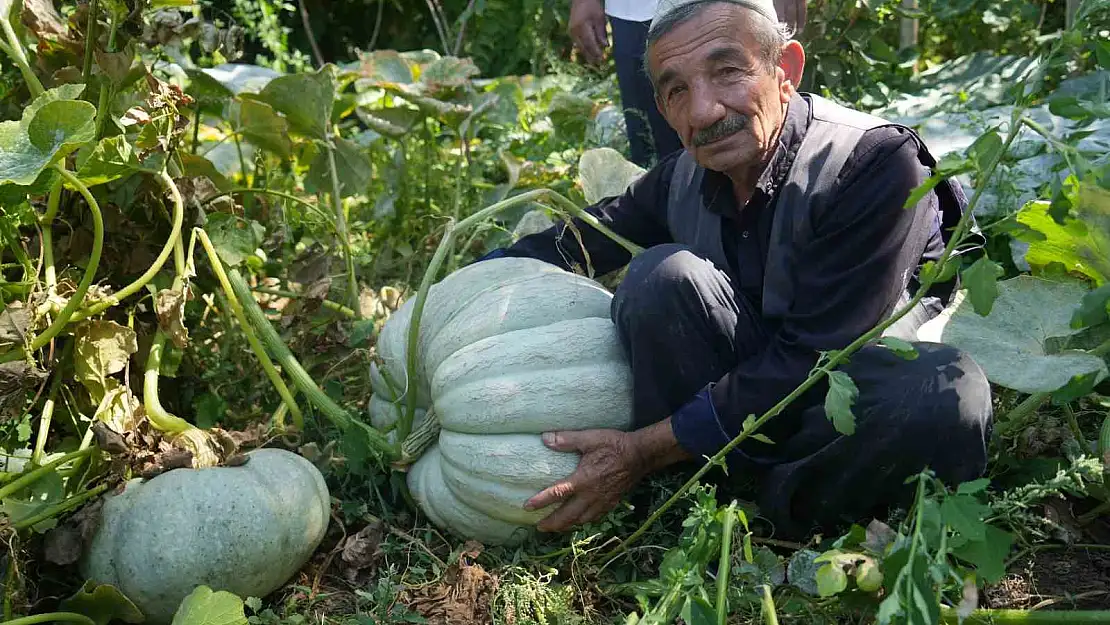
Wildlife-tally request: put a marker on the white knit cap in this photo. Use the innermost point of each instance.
(766, 8)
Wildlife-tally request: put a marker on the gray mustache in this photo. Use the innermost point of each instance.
(720, 130)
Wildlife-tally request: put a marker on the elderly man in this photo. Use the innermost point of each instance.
(779, 232)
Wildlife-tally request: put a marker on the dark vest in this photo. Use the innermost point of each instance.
(810, 186)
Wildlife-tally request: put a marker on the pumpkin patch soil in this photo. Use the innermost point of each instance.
(1076, 579)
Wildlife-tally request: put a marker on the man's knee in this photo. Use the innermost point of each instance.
(659, 277)
(944, 400)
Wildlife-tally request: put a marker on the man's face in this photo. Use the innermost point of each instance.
(714, 90)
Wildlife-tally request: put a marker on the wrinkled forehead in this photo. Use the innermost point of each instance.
(711, 34)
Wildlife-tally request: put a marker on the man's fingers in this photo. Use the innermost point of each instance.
(579, 440)
(560, 491)
(566, 517)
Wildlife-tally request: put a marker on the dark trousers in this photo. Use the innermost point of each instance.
(649, 135)
(683, 326)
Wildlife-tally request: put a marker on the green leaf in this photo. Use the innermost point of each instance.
(603, 173)
(922, 190)
(305, 99)
(1081, 244)
(839, 400)
(965, 514)
(265, 128)
(111, 159)
(1079, 386)
(204, 607)
(51, 127)
(1011, 343)
(904, 349)
(102, 603)
(986, 149)
(974, 486)
(234, 238)
(981, 279)
(351, 164)
(697, 612)
(749, 425)
(989, 554)
(831, 579)
(361, 332)
(209, 409)
(1093, 309)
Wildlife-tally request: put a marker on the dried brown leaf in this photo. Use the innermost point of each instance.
(17, 378)
(170, 307)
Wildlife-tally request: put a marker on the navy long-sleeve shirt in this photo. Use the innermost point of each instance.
(865, 252)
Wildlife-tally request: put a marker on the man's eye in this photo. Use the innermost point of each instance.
(674, 91)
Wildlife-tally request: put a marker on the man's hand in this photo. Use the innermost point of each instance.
(587, 28)
(793, 12)
(610, 466)
(612, 463)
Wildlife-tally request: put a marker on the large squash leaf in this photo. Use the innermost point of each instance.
(52, 126)
(1081, 243)
(1013, 343)
(305, 99)
(603, 173)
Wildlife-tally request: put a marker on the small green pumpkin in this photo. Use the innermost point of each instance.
(508, 349)
(245, 529)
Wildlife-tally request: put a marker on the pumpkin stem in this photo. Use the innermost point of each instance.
(419, 440)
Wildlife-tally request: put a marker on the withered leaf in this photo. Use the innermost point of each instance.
(102, 348)
(13, 324)
(17, 378)
(170, 307)
(108, 440)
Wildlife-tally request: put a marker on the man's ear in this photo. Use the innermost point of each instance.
(792, 65)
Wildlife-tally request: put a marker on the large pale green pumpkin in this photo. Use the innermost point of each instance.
(244, 529)
(508, 349)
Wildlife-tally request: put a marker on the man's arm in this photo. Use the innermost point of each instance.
(856, 268)
(639, 215)
(851, 277)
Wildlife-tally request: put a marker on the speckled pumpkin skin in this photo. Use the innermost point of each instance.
(244, 529)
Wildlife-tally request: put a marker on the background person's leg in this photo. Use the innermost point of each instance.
(649, 135)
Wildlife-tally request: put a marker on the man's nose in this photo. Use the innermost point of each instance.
(706, 108)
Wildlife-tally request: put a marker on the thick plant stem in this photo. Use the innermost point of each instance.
(767, 603)
(724, 565)
(34, 85)
(949, 616)
(53, 201)
(252, 338)
(159, 417)
(301, 379)
(51, 617)
(78, 296)
(61, 508)
(31, 477)
(839, 357)
(175, 236)
(48, 407)
(446, 243)
(341, 231)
